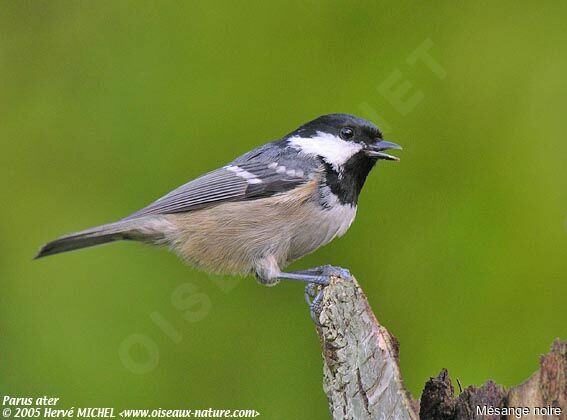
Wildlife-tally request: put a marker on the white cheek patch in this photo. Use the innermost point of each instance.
(334, 150)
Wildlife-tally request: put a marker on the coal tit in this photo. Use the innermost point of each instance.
(263, 210)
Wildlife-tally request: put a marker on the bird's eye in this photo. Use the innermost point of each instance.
(346, 133)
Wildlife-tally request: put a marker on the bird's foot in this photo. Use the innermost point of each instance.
(327, 271)
(314, 291)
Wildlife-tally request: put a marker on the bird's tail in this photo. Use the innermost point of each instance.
(90, 237)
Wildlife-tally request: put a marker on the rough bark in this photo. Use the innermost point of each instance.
(362, 378)
(361, 375)
(545, 390)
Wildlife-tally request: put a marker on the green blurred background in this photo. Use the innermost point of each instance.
(461, 247)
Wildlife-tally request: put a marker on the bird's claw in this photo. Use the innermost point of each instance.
(327, 271)
(332, 271)
(311, 290)
(314, 298)
(314, 291)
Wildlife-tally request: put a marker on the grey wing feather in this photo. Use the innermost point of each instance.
(249, 177)
(217, 186)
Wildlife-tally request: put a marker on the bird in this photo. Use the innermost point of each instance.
(262, 211)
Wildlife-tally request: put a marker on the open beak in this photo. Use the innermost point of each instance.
(377, 150)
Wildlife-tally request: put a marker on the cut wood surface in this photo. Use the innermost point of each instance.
(362, 379)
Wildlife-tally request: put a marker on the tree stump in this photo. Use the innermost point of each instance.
(362, 379)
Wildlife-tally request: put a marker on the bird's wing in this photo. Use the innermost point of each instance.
(261, 173)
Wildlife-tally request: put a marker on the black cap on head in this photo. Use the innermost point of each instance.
(348, 127)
